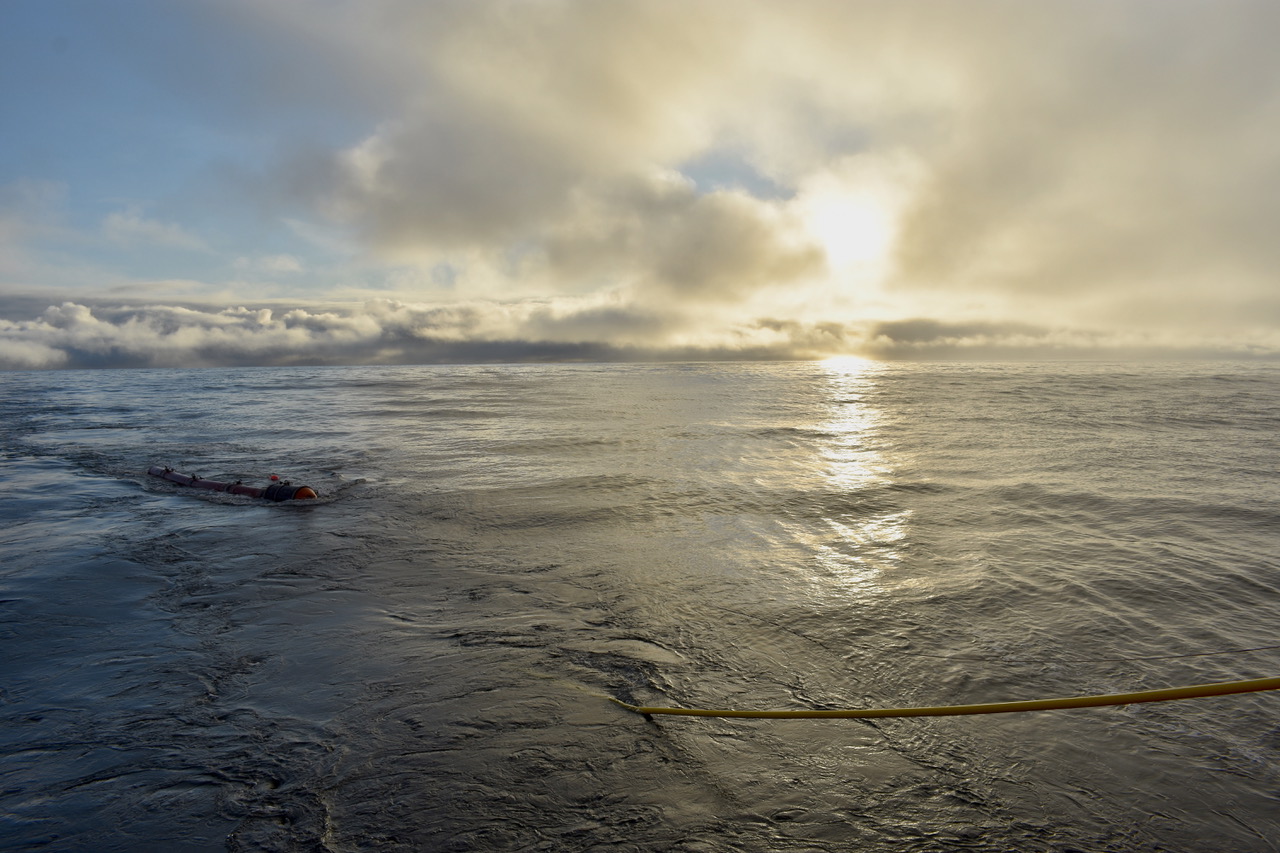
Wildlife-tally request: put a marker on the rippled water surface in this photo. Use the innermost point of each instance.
(420, 660)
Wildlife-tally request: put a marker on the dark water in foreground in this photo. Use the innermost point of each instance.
(418, 660)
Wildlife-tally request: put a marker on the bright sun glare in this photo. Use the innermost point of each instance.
(849, 365)
(855, 230)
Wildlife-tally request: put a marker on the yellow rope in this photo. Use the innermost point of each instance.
(1168, 694)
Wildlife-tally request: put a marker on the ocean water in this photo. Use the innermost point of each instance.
(421, 659)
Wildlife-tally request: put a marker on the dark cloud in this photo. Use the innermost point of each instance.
(440, 183)
(932, 332)
(677, 244)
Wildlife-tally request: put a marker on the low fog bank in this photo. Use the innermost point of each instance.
(76, 335)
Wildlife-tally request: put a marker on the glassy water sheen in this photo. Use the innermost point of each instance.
(418, 660)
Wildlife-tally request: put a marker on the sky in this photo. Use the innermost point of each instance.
(257, 182)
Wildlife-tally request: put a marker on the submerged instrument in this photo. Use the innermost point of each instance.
(277, 491)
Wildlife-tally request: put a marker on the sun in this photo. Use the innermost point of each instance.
(855, 230)
(855, 210)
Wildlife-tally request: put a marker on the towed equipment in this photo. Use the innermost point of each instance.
(277, 491)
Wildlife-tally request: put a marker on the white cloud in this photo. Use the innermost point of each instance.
(19, 354)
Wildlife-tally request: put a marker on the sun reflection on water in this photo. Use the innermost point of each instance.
(862, 532)
(852, 425)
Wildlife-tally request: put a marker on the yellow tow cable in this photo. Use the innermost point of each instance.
(1168, 694)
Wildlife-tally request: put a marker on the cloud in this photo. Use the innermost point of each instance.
(1125, 156)
(19, 354)
(1057, 155)
(657, 233)
(129, 228)
(379, 331)
(554, 127)
(269, 264)
(382, 331)
(910, 179)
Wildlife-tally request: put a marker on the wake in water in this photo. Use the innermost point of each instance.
(419, 658)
